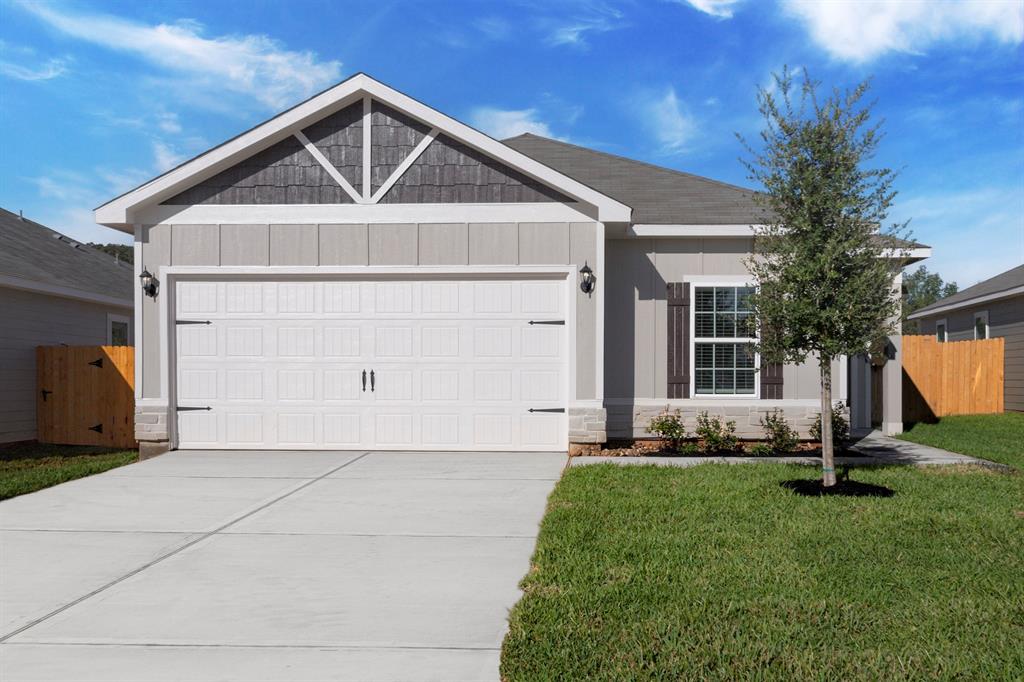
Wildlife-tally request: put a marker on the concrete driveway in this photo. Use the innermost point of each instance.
(271, 566)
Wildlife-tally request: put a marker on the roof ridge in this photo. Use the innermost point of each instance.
(638, 162)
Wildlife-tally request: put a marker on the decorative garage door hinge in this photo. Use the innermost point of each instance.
(191, 322)
(193, 409)
(547, 409)
(98, 428)
(559, 322)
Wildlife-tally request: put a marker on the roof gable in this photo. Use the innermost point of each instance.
(312, 154)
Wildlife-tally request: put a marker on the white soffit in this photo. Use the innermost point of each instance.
(121, 212)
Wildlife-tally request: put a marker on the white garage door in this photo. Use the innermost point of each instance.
(430, 365)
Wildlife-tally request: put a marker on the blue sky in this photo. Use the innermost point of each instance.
(96, 97)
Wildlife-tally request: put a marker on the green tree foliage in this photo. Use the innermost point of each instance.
(923, 288)
(122, 252)
(823, 269)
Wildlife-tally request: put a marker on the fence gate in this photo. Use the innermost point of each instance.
(956, 377)
(86, 395)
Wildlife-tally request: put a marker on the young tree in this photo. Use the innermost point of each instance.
(923, 288)
(824, 272)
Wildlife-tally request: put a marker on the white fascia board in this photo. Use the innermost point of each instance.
(62, 292)
(1007, 293)
(692, 230)
(268, 214)
(913, 255)
(120, 212)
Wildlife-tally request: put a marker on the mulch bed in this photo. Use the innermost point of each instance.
(658, 448)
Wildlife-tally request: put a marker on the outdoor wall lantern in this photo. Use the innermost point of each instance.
(150, 284)
(586, 279)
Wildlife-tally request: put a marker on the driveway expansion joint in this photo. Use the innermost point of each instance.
(178, 550)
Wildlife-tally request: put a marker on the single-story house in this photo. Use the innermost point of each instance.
(53, 291)
(990, 309)
(363, 271)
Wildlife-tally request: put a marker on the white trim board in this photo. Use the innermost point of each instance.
(62, 291)
(122, 211)
(269, 214)
(1007, 293)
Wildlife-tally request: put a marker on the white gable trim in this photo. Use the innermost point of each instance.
(328, 166)
(270, 214)
(121, 212)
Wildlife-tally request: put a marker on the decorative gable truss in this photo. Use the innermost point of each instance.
(400, 161)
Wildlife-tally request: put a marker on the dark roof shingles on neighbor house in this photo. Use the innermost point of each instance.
(31, 251)
(1011, 279)
(657, 195)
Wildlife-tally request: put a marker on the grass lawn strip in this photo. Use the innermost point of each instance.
(27, 468)
(995, 437)
(717, 572)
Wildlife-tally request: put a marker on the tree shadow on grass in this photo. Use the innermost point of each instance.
(843, 488)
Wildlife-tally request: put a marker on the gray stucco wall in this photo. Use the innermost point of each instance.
(376, 244)
(1006, 321)
(30, 320)
(637, 272)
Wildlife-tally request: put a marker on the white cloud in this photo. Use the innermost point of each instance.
(504, 123)
(961, 227)
(860, 30)
(168, 122)
(70, 197)
(494, 28)
(574, 32)
(723, 9)
(666, 118)
(51, 68)
(255, 66)
(166, 157)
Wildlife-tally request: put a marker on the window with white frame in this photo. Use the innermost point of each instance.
(981, 325)
(940, 331)
(118, 330)
(723, 329)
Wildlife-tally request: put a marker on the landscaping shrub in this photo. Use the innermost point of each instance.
(840, 427)
(761, 450)
(670, 427)
(714, 435)
(780, 438)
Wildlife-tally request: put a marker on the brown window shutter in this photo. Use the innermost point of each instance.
(678, 299)
(771, 381)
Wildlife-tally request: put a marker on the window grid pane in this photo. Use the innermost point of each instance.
(723, 368)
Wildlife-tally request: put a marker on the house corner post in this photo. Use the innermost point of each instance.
(892, 374)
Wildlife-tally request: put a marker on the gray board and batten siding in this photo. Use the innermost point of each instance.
(381, 244)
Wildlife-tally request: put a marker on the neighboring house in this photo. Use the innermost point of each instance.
(362, 271)
(53, 291)
(990, 309)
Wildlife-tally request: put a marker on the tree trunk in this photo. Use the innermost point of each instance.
(828, 464)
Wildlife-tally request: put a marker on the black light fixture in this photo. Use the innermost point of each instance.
(150, 284)
(586, 279)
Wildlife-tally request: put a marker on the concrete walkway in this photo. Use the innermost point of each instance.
(271, 566)
(874, 449)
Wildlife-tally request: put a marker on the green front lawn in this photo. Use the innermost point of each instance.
(27, 468)
(995, 437)
(718, 572)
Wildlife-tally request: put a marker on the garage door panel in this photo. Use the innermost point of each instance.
(456, 364)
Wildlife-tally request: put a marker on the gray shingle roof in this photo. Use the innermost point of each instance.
(1004, 281)
(34, 252)
(657, 195)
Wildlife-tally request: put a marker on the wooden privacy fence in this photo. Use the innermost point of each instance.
(956, 377)
(86, 395)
